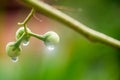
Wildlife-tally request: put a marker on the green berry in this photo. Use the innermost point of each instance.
(51, 38)
(20, 32)
(12, 50)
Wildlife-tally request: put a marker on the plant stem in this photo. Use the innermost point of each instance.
(36, 35)
(72, 23)
(24, 23)
(29, 16)
(27, 19)
(17, 43)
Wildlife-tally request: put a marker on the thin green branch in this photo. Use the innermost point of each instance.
(18, 42)
(27, 19)
(36, 35)
(72, 23)
(29, 16)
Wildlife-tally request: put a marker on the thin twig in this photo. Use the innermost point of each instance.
(72, 23)
(24, 23)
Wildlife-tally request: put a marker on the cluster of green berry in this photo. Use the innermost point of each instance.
(13, 49)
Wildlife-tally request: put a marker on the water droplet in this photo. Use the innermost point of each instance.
(50, 47)
(15, 59)
(25, 43)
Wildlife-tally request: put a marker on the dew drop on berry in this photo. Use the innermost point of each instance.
(25, 43)
(50, 47)
(15, 59)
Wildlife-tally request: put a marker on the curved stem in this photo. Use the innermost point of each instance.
(72, 23)
(36, 35)
(17, 43)
(24, 24)
(27, 19)
(29, 16)
(25, 28)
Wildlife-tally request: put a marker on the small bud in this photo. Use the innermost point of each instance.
(51, 38)
(12, 50)
(20, 32)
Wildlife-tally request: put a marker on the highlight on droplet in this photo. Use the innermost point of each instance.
(50, 47)
(25, 43)
(15, 59)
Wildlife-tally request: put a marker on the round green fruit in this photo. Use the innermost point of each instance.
(12, 50)
(51, 38)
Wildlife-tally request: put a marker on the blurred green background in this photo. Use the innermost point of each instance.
(75, 58)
